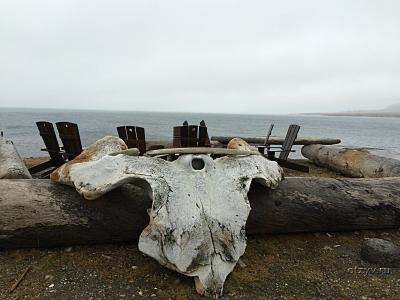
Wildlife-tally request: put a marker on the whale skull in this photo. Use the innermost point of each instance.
(199, 211)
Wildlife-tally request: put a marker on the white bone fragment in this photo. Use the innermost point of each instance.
(202, 150)
(199, 211)
(102, 147)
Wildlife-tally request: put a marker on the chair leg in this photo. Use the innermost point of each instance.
(270, 154)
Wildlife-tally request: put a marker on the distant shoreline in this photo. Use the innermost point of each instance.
(375, 114)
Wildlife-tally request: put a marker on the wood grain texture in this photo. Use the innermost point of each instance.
(39, 213)
(352, 162)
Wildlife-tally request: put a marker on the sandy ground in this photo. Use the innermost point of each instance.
(285, 266)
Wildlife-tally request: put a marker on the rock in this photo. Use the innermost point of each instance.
(200, 205)
(242, 264)
(381, 252)
(49, 277)
(107, 256)
(327, 248)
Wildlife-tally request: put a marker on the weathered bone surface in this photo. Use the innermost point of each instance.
(199, 210)
(102, 147)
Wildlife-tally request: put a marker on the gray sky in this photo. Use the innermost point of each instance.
(205, 56)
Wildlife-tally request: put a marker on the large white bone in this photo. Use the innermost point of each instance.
(199, 211)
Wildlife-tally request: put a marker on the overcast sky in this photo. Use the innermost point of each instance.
(201, 56)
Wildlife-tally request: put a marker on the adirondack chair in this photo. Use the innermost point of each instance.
(203, 138)
(268, 133)
(46, 131)
(284, 150)
(191, 135)
(133, 136)
(262, 148)
(286, 147)
(69, 135)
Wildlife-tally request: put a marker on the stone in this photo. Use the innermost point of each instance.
(381, 252)
(199, 211)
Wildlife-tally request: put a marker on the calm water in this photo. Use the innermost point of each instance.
(383, 133)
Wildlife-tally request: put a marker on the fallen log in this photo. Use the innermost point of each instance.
(40, 213)
(352, 162)
(11, 164)
(153, 144)
(278, 140)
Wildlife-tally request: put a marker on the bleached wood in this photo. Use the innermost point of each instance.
(11, 164)
(278, 140)
(352, 162)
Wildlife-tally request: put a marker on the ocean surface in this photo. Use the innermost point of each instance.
(381, 134)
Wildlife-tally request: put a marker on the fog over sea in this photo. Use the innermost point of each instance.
(361, 132)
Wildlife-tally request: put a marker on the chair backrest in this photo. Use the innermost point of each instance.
(268, 133)
(46, 131)
(204, 140)
(191, 136)
(291, 136)
(69, 135)
(133, 136)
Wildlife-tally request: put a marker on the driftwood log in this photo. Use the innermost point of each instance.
(278, 140)
(11, 164)
(352, 162)
(39, 213)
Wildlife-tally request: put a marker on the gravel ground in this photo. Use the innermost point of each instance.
(301, 266)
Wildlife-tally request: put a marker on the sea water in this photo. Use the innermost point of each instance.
(380, 134)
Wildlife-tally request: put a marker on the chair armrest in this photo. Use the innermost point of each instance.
(51, 151)
(281, 150)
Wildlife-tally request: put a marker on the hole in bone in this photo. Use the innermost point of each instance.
(198, 163)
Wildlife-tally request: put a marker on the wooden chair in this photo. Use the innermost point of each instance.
(268, 133)
(69, 135)
(191, 135)
(46, 131)
(287, 145)
(284, 150)
(133, 136)
(203, 138)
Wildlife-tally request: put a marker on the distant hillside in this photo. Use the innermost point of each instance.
(393, 108)
(390, 111)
